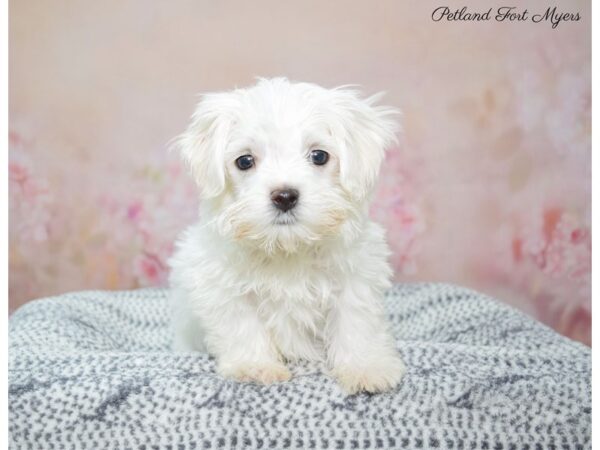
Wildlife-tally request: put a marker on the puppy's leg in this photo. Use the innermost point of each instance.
(242, 345)
(361, 351)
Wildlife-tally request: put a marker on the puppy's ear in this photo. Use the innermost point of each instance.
(367, 131)
(203, 144)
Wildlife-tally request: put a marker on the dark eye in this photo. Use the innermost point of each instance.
(319, 157)
(244, 162)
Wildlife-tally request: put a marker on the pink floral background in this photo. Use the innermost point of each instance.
(490, 187)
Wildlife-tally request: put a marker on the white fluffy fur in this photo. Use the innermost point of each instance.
(256, 288)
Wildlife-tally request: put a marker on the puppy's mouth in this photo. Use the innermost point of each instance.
(285, 218)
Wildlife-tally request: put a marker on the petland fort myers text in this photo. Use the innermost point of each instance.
(551, 15)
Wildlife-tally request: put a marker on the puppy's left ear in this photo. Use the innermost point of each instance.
(367, 130)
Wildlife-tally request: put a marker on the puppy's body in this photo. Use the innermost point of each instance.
(257, 285)
(292, 294)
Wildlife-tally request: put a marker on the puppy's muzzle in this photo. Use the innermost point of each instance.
(285, 199)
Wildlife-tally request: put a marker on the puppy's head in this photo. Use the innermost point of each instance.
(286, 164)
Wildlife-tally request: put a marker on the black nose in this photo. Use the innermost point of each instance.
(285, 199)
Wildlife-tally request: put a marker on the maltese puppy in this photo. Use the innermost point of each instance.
(284, 263)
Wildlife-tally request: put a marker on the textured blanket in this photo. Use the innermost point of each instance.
(93, 370)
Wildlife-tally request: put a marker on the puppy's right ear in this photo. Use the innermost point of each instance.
(203, 144)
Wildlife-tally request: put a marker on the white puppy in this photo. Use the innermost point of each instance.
(284, 263)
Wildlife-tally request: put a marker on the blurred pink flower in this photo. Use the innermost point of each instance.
(396, 206)
(548, 258)
(29, 197)
(134, 210)
(150, 270)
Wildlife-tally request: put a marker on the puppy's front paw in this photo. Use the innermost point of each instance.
(377, 377)
(260, 372)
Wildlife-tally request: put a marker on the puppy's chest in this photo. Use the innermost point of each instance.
(299, 291)
(288, 284)
(295, 310)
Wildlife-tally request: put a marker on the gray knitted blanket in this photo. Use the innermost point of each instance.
(92, 370)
